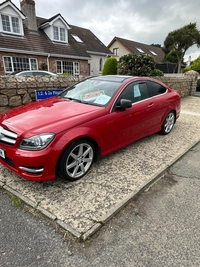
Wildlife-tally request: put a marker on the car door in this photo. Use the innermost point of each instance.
(161, 103)
(128, 125)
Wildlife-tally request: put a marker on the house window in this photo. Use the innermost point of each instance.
(116, 51)
(10, 24)
(62, 34)
(33, 63)
(153, 53)
(78, 39)
(59, 34)
(139, 50)
(15, 64)
(68, 67)
(100, 64)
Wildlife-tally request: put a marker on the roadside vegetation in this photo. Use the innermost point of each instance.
(194, 66)
(179, 41)
(132, 64)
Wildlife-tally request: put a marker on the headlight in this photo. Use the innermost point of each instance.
(36, 142)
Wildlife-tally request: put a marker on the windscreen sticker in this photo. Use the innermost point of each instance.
(102, 99)
(137, 91)
(92, 95)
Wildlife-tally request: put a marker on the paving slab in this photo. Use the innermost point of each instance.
(83, 206)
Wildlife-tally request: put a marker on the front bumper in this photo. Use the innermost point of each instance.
(31, 165)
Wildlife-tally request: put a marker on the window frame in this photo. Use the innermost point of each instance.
(100, 64)
(64, 64)
(60, 35)
(11, 24)
(15, 64)
(150, 83)
(133, 98)
(77, 38)
(116, 51)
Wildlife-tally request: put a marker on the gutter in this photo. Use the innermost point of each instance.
(42, 54)
(99, 53)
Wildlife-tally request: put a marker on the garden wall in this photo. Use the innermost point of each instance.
(17, 90)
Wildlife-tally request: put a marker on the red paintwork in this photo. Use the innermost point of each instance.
(72, 120)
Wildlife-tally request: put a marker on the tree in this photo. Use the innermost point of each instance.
(157, 45)
(136, 65)
(171, 57)
(110, 66)
(180, 40)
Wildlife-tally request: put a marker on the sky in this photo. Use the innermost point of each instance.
(144, 21)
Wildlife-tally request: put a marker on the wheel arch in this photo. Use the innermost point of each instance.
(171, 110)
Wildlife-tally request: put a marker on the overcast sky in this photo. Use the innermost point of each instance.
(144, 21)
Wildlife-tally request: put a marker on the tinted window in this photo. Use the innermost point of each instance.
(136, 92)
(26, 73)
(39, 73)
(156, 88)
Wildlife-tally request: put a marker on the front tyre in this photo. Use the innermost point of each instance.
(76, 160)
(168, 123)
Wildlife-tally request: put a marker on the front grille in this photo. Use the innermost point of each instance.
(7, 137)
(9, 162)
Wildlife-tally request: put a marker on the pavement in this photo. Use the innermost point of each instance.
(82, 207)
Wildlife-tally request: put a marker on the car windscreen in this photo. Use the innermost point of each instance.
(92, 91)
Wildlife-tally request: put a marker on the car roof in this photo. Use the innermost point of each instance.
(112, 78)
(32, 71)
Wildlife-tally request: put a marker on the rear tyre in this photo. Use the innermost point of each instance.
(168, 123)
(76, 160)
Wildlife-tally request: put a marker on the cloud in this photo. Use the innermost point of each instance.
(142, 21)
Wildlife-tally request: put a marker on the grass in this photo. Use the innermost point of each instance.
(16, 202)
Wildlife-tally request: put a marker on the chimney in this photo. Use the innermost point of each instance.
(28, 9)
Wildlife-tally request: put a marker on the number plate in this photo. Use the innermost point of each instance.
(2, 153)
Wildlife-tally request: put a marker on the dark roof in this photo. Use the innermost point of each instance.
(43, 20)
(38, 42)
(147, 49)
(93, 44)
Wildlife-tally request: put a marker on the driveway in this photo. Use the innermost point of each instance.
(82, 207)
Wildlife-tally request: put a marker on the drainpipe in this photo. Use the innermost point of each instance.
(48, 56)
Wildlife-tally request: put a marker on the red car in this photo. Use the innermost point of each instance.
(64, 134)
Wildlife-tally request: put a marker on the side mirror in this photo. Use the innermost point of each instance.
(124, 104)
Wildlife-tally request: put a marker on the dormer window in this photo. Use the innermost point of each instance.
(10, 24)
(59, 34)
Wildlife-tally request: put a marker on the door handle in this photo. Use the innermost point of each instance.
(151, 105)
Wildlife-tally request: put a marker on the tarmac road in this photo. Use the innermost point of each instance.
(160, 228)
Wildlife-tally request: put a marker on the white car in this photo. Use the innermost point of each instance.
(35, 73)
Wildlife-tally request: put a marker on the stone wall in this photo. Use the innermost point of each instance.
(17, 90)
(185, 86)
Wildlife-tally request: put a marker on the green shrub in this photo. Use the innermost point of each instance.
(194, 66)
(136, 65)
(186, 69)
(110, 66)
(157, 73)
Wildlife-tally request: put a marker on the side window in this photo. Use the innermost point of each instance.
(136, 92)
(128, 93)
(156, 88)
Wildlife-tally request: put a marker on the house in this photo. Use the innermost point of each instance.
(121, 47)
(28, 42)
